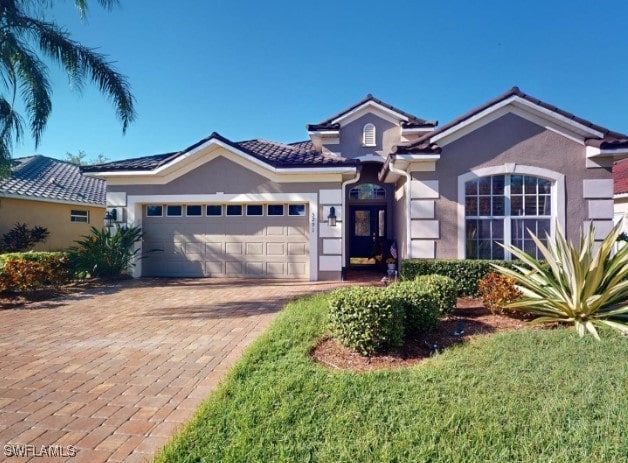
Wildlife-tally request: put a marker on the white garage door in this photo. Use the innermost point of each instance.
(254, 240)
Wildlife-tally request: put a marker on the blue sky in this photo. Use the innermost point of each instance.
(250, 69)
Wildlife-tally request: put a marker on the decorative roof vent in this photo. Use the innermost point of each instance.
(368, 135)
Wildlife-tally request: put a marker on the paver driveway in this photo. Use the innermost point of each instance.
(114, 371)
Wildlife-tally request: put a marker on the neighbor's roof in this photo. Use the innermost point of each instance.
(412, 121)
(620, 177)
(281, 155)
(610, 139)
(52, 180)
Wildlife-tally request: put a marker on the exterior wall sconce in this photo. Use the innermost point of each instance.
(110, 216)
(331, 218)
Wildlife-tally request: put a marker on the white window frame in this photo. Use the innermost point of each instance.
(254, 215)
(283, 210)
(155, 205)
(369, 135)
(199, 205)
(234, 215)
(174, 215)
(297, 215)
(558, 209)
(222, 210)
(74, 216)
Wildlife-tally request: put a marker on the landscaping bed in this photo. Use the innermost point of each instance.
(530, 395)
(477, 321)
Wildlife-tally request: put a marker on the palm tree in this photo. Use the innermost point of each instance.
(25, 41)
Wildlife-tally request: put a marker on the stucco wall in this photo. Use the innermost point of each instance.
(387, 135)
(54, 216)
(400, 212)
(509, 139)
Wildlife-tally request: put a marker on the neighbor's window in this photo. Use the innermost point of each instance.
(275, 209)
(174, 210)
(193, 210)
(500, 209)
(367, 191)
(368, 135)
(234, 209)
(296, 209)
(77, 216)
(214, 210)
(154, 211)
(254, 209)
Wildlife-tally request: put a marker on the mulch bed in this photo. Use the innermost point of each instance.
(477, 321)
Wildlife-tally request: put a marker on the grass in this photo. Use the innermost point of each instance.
(531, 396)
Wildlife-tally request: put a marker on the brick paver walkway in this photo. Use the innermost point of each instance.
(115, 371)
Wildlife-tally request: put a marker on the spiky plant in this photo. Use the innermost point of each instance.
(586, 285)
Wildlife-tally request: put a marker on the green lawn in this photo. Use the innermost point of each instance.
(532, 396)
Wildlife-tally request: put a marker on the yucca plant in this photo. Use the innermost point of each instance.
(586, 285)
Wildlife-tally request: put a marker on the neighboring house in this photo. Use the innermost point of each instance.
(261, 209)
(53, 194)
(620, 180)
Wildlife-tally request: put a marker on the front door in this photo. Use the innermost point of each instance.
(367, 234)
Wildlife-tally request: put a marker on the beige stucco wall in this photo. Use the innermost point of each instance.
(621, 210)
(54, 216)
(509, 139)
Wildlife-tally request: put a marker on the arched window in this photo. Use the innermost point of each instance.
(368, 135)
(367, 191)
(501, 208)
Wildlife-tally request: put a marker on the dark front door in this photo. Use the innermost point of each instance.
(367, 234)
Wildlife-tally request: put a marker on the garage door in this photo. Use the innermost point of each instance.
(248, 240)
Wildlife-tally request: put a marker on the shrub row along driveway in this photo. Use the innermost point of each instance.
(115, 370)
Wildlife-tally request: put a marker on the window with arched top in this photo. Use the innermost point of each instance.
(367, 191)
(368, 135)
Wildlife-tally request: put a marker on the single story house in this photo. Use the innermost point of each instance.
(47, 192)
(367, 177)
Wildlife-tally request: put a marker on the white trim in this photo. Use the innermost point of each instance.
(500, 108)
(343, 190)
(324, 133)
(417, 157)
(405, 131)
(79, 216)
(356, 113)
(407, 187)
(620, 196)
(185, 163)
(372, 132)
(49, 200)
(135, 203)
(371, 158)
(558, 209)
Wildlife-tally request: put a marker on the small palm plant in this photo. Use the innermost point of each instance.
(104, 253)
(585, 285)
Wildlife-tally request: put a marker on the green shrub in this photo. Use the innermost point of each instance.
(443, 289)
(465, 273)
(498, 291)
(416, 303)
(106, 254)
(32, 270)
(21, 237)
(366, 319)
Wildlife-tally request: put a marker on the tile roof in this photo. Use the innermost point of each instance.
(620, 177)
(51, 179)
(281, 155)
(610, 138)
(412, 121)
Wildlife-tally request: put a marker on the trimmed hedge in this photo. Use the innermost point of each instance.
(370, 320)
(25, 271)
(366, 319)
(465, 273)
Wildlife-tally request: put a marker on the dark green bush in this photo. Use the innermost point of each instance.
(417, 305)
(442, 289)
(32, 270)
(104, 253)
(366, 319)
(465, 273)
(21, 237)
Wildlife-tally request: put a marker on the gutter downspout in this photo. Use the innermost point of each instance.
(394, 170)
(345, 214)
